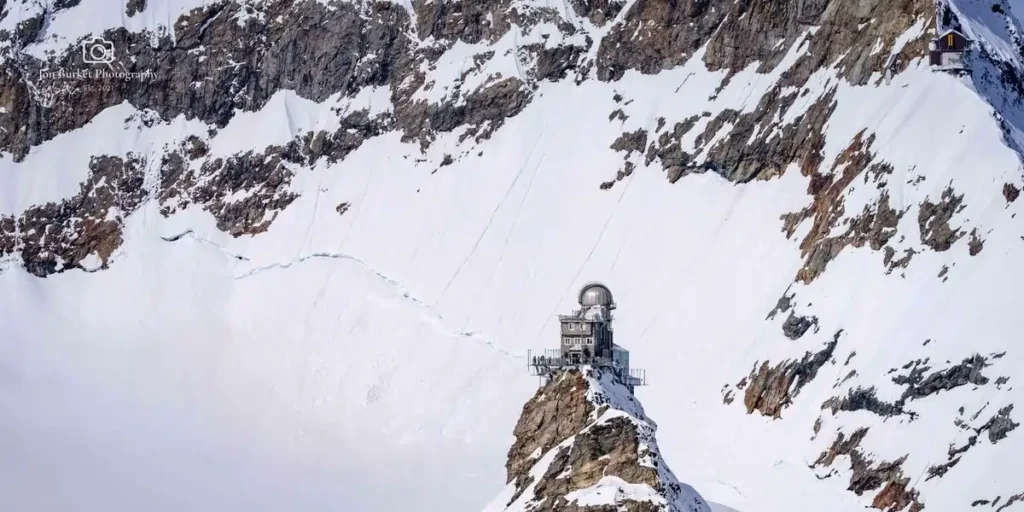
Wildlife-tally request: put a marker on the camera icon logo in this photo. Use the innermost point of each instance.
(98, 51)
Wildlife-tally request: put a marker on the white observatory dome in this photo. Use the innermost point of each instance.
(596, 294)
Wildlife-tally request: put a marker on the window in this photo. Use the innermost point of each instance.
(572, 327)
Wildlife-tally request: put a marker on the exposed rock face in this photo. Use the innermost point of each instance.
(277, 45)
(795, 326)
(203, 45)
(893, 491)
(548, 419)
(243, 192)
(892, 486)
(873, 227)
(263, 177)
(934, 218)
(583, 443)
(1000, 425)
(134, 7)
(598, 12)
(653, 36)
(1010, 192)
(976, 243)
(227, 57)
(864, 399)
(919, 384)
(630, 142)
(769, 389)
(656, 35)
(247, 53)
(82, 231)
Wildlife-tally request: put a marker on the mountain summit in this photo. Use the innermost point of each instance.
(583, 443)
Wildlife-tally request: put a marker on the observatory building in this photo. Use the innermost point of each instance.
(586, 338)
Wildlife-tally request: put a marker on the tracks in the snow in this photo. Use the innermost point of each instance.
(188, 233)
(399, 287)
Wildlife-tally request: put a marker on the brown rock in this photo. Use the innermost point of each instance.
(975, 244)
(631, 141)
(586, 426)
(867, 475)
(134, 7)
(1010, 192)
(548, 419)
(933, 219)
(771, 389)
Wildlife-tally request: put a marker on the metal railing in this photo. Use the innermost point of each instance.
(551, 359)
(555, 357)
(635, 377)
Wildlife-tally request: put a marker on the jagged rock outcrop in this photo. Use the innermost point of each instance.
(81, 231)
(769, 389)
(894, 493)
(241, 65)
(228, 56)
(934, 218)
(873, 227)
(225, 57)
(583, 443)
(919, 384)
(1010, 192)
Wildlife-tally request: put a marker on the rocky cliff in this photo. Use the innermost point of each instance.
(584, 444)
(225, 57)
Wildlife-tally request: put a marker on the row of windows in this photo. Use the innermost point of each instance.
(578, 341)
(573, 327)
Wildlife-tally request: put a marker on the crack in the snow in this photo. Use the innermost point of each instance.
(393, 283)
(328, 255)
(191, 234)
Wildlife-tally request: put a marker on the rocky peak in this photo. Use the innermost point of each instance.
(583, 443)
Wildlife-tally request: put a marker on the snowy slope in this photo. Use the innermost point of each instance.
(374, 359)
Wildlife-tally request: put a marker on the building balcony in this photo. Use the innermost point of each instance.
(548, 361)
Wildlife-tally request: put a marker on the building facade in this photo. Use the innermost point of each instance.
(587, 333)
(946, 52)
(586, 339)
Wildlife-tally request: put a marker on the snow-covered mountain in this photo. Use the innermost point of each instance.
(290, 254)
(583, 443)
